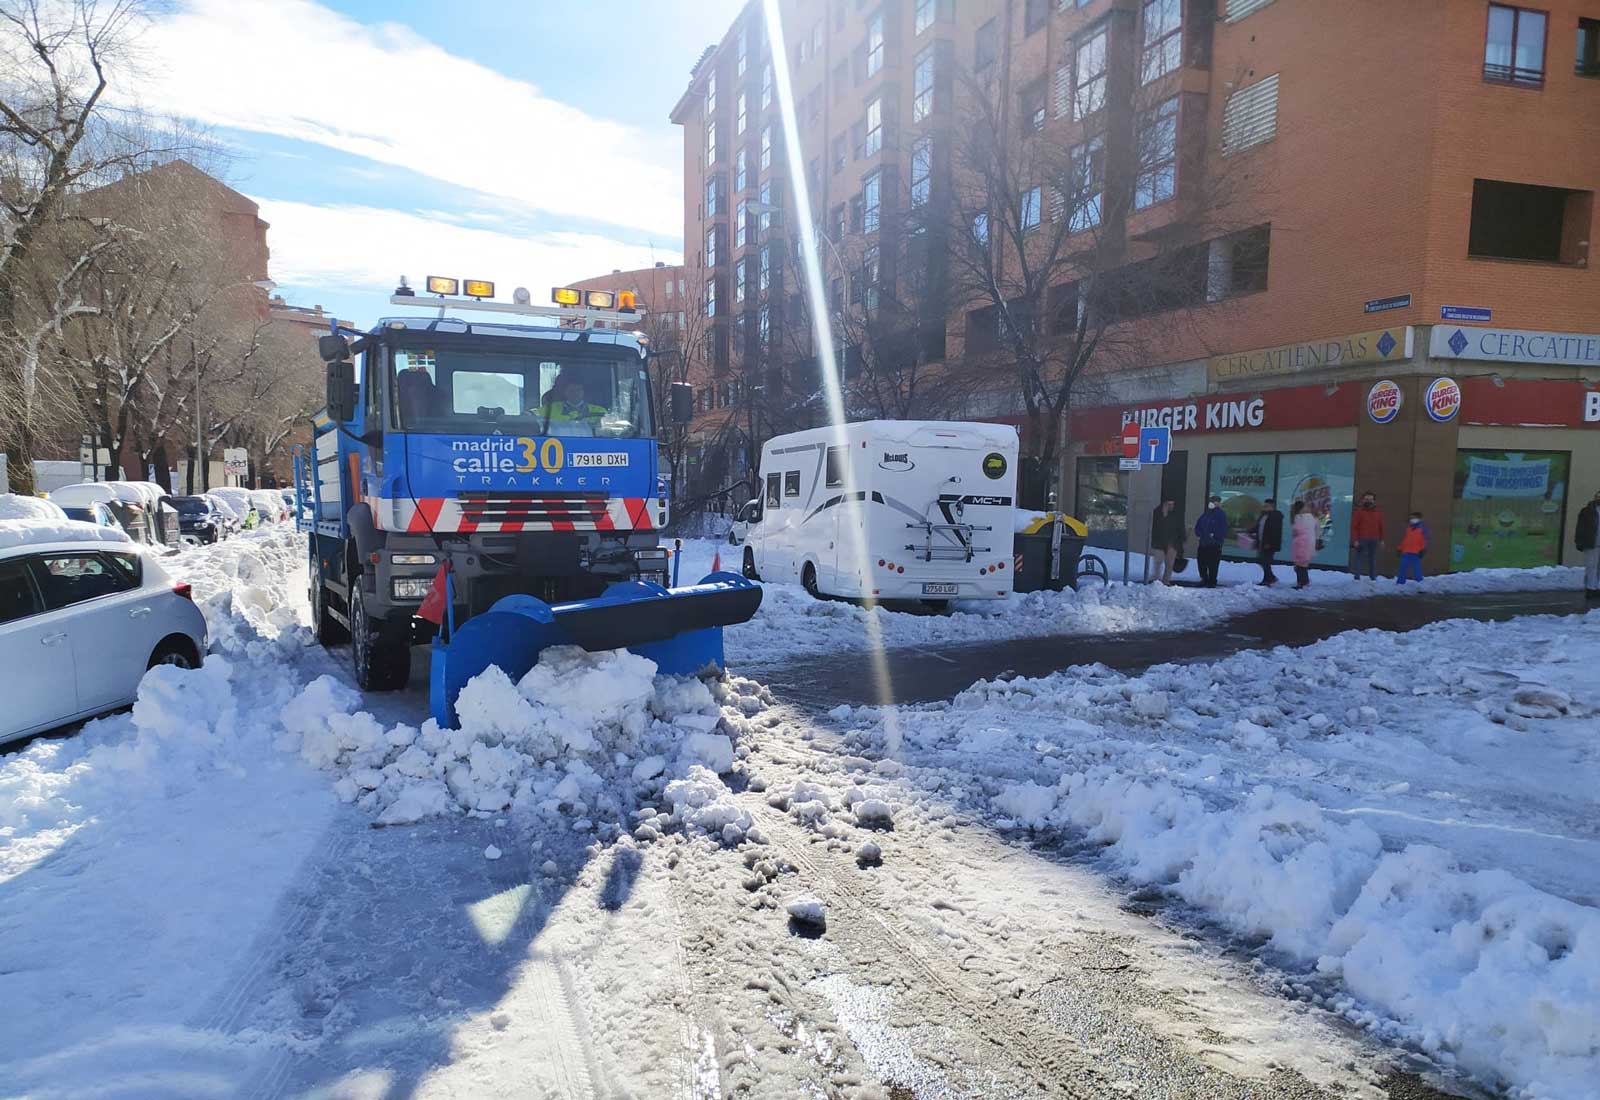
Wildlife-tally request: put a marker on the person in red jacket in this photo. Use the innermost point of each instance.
(1413, 544)
(1366, 536)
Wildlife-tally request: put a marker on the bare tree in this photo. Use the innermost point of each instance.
(1059, 295)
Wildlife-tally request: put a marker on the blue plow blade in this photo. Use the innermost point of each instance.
(680, 629)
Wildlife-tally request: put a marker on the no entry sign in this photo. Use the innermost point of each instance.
(1130, 441)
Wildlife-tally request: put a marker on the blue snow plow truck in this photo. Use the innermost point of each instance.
(495, 488)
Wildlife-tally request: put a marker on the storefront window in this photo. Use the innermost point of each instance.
(1101, 503)
(1508, 508)
(1325, 480)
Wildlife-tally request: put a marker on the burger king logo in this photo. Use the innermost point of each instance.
(1383, 401)
(1444, 399)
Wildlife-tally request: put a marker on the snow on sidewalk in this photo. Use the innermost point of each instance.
(792, 623)
(1407, 820)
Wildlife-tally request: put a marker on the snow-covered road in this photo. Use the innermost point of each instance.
(1189, 882)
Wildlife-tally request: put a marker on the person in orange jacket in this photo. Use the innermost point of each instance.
(1366, 536)
(1413, 544)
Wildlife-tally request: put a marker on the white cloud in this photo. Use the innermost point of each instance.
(296, 69)
(366, 249)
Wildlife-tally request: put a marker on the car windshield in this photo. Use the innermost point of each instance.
(86, 514)
(476, 390)
(189, 506)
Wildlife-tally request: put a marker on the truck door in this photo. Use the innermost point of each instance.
(838, 561)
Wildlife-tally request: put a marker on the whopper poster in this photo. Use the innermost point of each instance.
(1243, 482)
(1508, 508)
(1325, 481)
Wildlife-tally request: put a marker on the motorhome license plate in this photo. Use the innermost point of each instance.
(934, 588)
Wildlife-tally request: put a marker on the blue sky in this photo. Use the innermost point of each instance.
(526, 143)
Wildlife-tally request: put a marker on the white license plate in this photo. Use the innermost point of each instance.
(933, 588)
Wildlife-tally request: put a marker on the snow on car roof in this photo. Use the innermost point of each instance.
(15, 506)
(16, 533)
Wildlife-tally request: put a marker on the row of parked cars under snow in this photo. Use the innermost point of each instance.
(87, 607)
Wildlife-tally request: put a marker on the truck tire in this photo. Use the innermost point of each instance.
(808, 581)
(750, 573)
(328, 629)
(380, 652)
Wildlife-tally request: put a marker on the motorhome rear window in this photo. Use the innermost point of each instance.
(791, 483)
(773, 491)
(835, 472)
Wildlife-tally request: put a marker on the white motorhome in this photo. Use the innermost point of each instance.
(893, 510)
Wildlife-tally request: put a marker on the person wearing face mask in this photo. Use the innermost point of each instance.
(1211, 529)
(1587, 538)
(1366, 537)
(1413, 544)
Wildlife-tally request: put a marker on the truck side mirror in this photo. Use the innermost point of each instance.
(333, 347)
(682, 402)
(341, 397)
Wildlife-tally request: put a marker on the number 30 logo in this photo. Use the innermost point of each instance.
(548, 456)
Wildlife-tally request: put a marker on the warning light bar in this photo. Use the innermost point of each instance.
(478, 288)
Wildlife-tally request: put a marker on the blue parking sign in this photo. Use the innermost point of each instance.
(1154, 445)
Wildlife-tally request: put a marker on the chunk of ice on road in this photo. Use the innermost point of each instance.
(1028, 802)
(711, 750)
(1151, 704)
(492, 852)
(807, 910)
(649, 768)
(427, 799)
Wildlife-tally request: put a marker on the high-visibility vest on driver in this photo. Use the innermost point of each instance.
(563, 411)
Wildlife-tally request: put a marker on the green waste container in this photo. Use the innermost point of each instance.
(1047, 546)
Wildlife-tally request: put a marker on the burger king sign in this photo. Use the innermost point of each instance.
(1383, 401)
(1444, 399)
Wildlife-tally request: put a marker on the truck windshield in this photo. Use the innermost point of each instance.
(444, 389)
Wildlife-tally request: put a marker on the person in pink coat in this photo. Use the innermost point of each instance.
(1303, 528)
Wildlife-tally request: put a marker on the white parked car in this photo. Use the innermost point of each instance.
(269, 505)
(83, 615)
(239, 500)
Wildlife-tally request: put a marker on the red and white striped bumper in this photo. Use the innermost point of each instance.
(508, 515)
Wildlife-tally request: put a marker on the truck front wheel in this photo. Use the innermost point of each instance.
(381, 653)
(750, 565)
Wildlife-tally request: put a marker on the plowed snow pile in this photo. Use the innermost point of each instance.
(587, 735)
(1404, 821)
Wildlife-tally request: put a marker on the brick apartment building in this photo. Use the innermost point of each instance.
(1419, 317)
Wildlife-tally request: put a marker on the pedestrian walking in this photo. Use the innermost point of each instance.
(1587, 537)
(1413, 544)
(1269, 539)
(1303, 528)
(1211, 529)
(1166, 538)
(1366, 536)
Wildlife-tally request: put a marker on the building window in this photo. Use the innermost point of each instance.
(740, 212)
(874, 135)
(986, 46)
(1522, 221)
(921, 171)
(858, 139)
(766, 201)
(871, 198)
(983, 329)
(741, 334)
(874, 44)
(1089, 75)
(766, 86)
(922, 86)
(711, 247)
(742, 48)
(1588, 47)
(1237, 264)
(711, 94)
(980, 230)
(711, 197)
(1088, 183)
(1033, 107)
(1514, 50)
(764, 325)
(1028, 209)
(855, 214)
(711, 297)
(870, 270)
(738, 282)
(1158, 156)
(838, 153)
(1163, 38)
(766, 147)
(739, 113)
(925, 14)
(764, 269)
(741, 160)
(711, 141)
(838, 223)
(1035, 14)
(836, 294)
(841, 78)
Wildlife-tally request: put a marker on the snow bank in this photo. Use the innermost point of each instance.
(1405, 818)
(589, 736)
(791, 623)
(37, 531)
(14, 506)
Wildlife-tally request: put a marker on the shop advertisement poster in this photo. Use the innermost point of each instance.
(1326, 481)
(1508, 509)
(1243, 482)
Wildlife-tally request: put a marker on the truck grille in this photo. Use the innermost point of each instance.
(588, 509)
